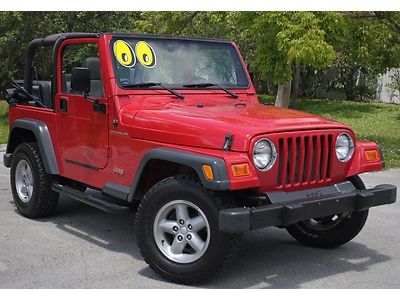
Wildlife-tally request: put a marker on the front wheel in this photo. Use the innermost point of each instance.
(331, 231)
(177, 231)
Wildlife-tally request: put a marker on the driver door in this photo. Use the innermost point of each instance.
(83, 131)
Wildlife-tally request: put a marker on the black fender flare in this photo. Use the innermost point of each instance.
(193, 160)
(43, 139)
(190, 159)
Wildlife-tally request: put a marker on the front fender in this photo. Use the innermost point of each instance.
(361, 164)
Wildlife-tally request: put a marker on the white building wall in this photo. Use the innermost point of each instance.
(383, 93)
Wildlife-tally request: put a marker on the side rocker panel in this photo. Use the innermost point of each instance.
(43, 139)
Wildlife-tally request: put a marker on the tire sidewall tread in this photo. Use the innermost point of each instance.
(341, 233)
(44, 200)
(222, 248)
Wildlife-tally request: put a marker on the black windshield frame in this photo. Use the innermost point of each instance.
(238, 65)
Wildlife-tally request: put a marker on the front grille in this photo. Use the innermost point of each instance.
(304, 159)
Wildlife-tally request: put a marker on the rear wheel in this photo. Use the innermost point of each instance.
(30, 184)
(331, 231)
(177, 231)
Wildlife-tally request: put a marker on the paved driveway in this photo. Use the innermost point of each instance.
(82, 247)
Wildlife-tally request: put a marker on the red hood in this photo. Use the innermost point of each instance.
(187, 124)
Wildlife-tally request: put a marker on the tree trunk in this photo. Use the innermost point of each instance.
(295, 85)
(349, 89)
(283, 94)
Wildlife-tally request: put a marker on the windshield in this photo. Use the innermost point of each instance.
(175, 63)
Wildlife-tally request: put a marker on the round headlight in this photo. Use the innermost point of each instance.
(344, 147)
(264, 154)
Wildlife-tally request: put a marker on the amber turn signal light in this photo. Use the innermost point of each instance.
(208, 172)
(239, 170)
(371, 155)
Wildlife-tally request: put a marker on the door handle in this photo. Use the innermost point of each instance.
(63, 104)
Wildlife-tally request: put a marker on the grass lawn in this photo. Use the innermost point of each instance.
(3, 122)
(376, 122)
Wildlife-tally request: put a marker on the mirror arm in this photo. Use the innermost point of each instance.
(97, 106)
(87, 97)
(100, 107)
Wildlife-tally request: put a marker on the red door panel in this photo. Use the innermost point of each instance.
(83, 132)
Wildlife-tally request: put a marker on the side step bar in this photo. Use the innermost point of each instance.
(91, 200)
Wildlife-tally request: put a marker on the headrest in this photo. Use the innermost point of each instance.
(93, 64)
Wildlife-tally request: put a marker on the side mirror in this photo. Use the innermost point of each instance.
(80, 80)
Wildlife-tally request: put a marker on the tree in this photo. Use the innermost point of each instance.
(286, 41)
(371, 48)
(391, 20)
(19, 28)
(205, 24)
(280, 47)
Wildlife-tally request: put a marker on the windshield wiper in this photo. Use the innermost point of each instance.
(150, 84)
(208, 84)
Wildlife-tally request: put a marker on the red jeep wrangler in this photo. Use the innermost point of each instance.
(172, 127)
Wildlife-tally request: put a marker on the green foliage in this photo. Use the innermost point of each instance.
(271, 42)
(286, 38)
(369, 49)
(391, 19)
(206, 24)
(19, 28)
(303, 40)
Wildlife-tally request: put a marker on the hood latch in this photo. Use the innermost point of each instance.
(228, 142)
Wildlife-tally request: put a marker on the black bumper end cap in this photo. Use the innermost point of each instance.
(235, 220)
(381, 194)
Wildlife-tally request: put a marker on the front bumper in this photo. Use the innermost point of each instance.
(290, 208)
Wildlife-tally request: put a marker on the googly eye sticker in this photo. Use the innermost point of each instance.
(145, 54)
(124, 54)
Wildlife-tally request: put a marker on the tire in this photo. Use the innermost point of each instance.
(30, 184)
(186, 265)
(331, 231)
